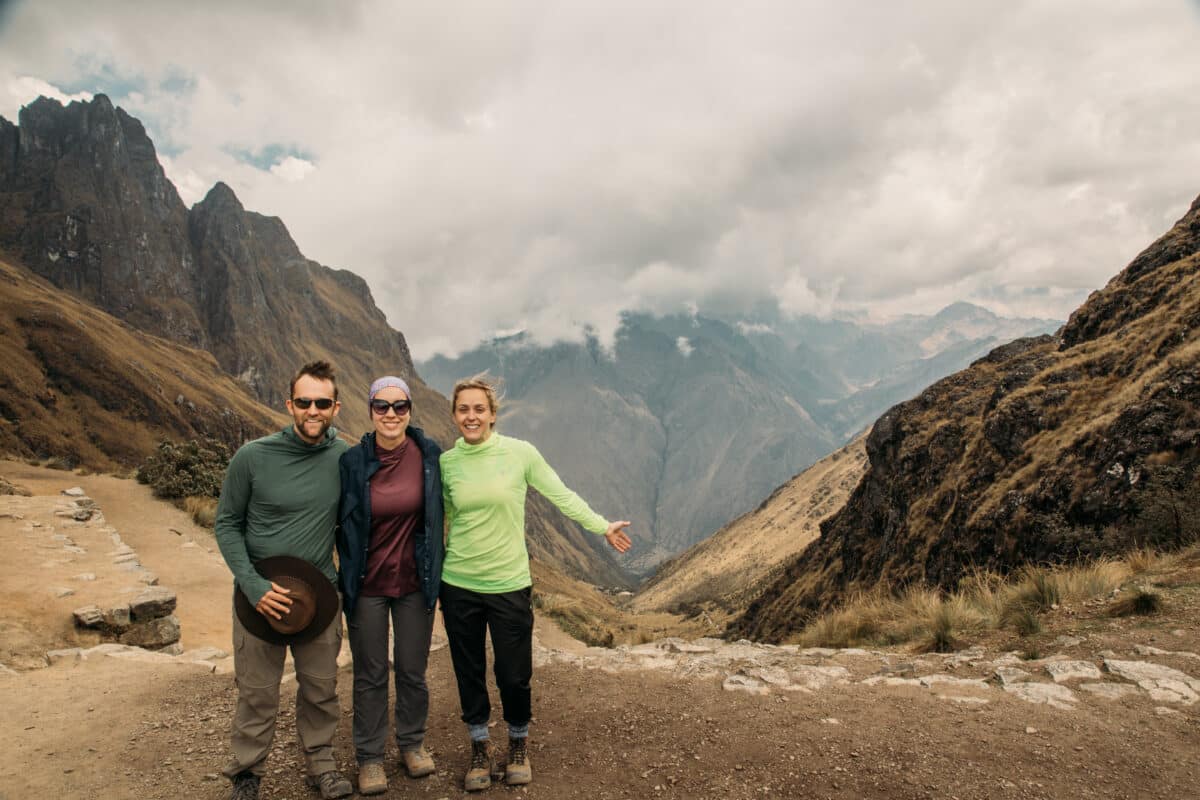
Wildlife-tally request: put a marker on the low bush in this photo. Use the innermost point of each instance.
(186, 469)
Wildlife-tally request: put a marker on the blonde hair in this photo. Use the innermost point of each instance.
(485, 383)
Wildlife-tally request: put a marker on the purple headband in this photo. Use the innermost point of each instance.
(386, 381)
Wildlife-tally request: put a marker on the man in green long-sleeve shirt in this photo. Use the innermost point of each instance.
(280, 497)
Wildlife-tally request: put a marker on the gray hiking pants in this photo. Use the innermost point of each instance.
(412, 630)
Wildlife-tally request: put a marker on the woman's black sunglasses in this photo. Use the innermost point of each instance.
(401, 407)
(302, 403)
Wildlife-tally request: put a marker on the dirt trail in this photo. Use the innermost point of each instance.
(116, 729)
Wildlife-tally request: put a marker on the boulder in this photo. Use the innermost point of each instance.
(117, 618)
(153, 634)
(153, 602)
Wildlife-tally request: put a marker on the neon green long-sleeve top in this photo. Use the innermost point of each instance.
(483, 486)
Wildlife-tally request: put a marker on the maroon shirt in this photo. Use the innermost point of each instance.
(397, 511)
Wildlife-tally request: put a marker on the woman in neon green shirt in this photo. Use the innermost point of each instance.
(485, 576)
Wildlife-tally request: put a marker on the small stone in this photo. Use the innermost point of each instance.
(71, 654)
(75, 491)
(1007, 676)
(1063, 671)
(85, 576)
(88, 616)
(1030, 729)
(744, 683)
(62, 591)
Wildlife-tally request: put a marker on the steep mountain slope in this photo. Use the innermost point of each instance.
(85, 204)
(726, 571)
(85, 388)
(1048, 449)
(690, 420)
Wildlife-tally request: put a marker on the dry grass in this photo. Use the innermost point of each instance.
(202, 509)
(1142, 602)
(934, 621)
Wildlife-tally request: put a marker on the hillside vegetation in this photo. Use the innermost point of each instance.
(1048, 450)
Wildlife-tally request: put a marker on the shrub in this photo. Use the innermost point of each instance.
(187, 469)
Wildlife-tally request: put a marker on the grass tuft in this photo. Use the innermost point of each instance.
(1141, 603)
(202, 509)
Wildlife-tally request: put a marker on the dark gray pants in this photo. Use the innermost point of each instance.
(412, 630)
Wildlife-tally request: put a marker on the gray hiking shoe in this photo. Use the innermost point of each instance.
(245, 786)
(332, 784)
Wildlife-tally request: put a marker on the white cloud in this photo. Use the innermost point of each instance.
(21, 90)
(684, 345)
(545, 166)
(292, 169)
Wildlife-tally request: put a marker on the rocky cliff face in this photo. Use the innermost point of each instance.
(1049, 449)
(85, 204)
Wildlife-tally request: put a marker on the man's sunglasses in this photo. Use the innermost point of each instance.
(322, 403)
(401, 407)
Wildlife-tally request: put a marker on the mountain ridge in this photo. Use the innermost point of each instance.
(703, 417)
(1050, 449)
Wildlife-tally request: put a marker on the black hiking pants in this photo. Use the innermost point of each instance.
(508, 616)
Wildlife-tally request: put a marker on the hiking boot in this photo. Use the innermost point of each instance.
(371, 778)
(245, 786)
(517, 770)
(332, 784)
(418, 763)
(483, 767)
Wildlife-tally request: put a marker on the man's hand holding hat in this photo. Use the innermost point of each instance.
(274, 603)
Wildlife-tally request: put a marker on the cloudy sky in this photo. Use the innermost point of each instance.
(490, 166)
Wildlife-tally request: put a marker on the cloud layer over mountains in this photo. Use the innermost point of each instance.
(521, 165)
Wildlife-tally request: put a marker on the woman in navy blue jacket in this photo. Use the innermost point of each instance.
(390, 550)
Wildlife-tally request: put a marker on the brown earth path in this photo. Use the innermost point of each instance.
(116, 729)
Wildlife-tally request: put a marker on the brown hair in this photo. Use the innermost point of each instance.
(483, 382)
(321, 370)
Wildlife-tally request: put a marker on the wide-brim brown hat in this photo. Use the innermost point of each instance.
(314, 602)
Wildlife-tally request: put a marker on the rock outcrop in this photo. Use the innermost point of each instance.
(1050, 449)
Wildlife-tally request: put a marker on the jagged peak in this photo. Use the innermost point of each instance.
(219, 196)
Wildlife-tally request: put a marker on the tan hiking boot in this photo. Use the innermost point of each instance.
(371, 778)
(517, 770)
(418, 762)
(483, 766)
